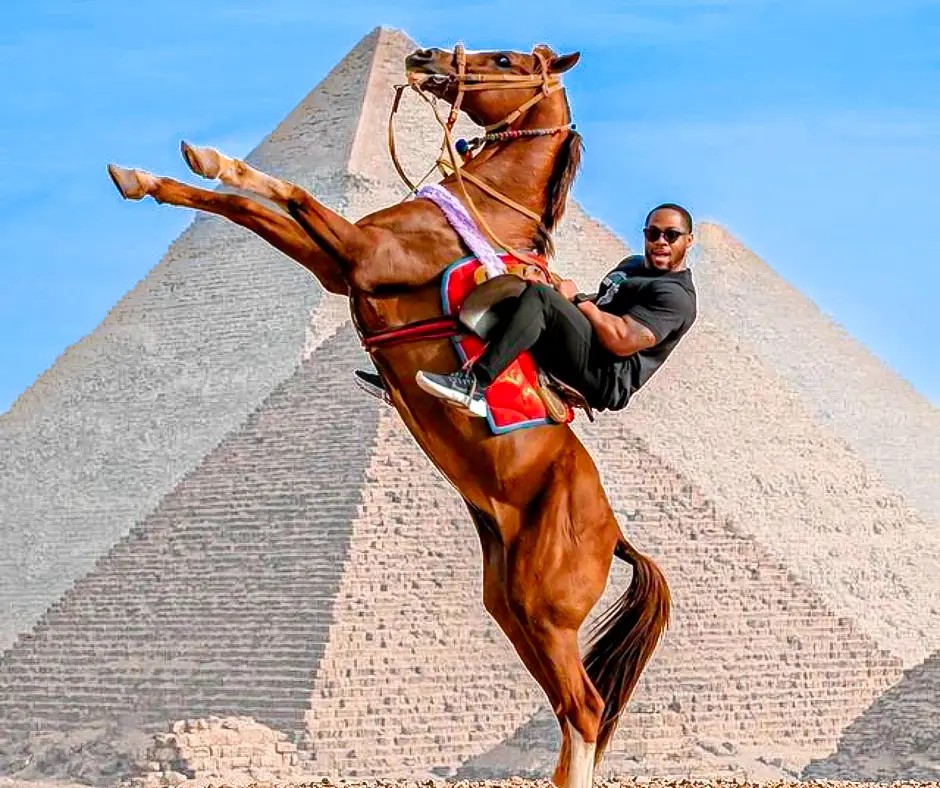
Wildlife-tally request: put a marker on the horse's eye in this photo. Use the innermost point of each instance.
(503, 61)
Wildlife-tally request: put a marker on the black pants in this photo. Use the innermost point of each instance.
(560, 337)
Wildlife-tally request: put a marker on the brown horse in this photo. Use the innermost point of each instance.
(546, 527)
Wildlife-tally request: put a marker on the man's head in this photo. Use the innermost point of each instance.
(668, 234)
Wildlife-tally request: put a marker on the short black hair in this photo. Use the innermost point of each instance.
(686, 216)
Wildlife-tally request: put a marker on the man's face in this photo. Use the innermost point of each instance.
(661, 253)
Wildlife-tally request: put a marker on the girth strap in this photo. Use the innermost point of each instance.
(441, 327)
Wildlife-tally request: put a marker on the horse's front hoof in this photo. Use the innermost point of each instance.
(202, 161)
(130, 183)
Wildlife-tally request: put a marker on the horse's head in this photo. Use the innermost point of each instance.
(489, 86)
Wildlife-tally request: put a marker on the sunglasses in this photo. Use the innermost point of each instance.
(671, 235)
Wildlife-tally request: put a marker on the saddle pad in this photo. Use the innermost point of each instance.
(512, 401)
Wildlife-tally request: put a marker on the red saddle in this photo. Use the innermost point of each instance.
(513, 401)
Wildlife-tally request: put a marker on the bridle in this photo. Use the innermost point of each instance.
(471, 81)
(444, 326)
(447, 162)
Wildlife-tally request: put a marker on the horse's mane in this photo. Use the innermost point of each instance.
(567, 163)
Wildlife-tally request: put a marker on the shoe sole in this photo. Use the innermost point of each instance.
(475, 408)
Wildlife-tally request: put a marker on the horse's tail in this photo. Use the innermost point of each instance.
(625, 637)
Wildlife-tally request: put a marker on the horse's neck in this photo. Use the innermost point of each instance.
(521, 169)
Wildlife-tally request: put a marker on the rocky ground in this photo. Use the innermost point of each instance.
(510, 782)
(239, 752)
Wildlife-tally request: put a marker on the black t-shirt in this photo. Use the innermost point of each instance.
(663, 301)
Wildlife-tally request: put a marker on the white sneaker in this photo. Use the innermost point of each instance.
(459, 388)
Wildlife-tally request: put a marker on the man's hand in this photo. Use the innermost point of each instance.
(567, 288)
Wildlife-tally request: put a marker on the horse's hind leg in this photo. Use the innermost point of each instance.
(580, 707)
(278, 229)
(497, 604)
(557, 571)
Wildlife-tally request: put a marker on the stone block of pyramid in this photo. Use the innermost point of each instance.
(199, 514)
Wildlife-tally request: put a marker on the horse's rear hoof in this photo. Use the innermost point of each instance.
(202, 161)
(129, 182)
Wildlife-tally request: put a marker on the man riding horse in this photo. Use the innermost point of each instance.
(547, 531)
(605, 345)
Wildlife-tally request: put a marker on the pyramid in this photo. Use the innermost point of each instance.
(897, 738)
(201, 515)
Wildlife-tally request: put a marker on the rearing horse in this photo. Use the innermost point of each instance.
(546, 527)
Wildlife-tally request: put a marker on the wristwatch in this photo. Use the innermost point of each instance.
(579, 297)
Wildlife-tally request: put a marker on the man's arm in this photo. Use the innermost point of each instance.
(663, 308)
(622, 336)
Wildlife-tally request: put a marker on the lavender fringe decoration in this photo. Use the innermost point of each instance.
(460, 219)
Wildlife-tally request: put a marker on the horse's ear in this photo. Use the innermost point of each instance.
(561, 64)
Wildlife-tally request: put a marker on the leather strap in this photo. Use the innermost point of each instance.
(441, 327)
(399, 89)
(484, 186)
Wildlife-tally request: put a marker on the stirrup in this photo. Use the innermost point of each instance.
(372, 384)
(558, 396)
(555, 406)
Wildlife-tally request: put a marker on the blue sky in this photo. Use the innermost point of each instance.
(810, 129)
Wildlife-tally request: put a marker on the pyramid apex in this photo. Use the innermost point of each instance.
(321, 132)
(717, 242)
(418, 137)
(392, 35)
(379, 36)
(713, 231)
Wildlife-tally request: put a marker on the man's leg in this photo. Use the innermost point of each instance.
(549, 325)
(544, 322)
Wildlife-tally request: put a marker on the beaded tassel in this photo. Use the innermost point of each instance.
(465, 148)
